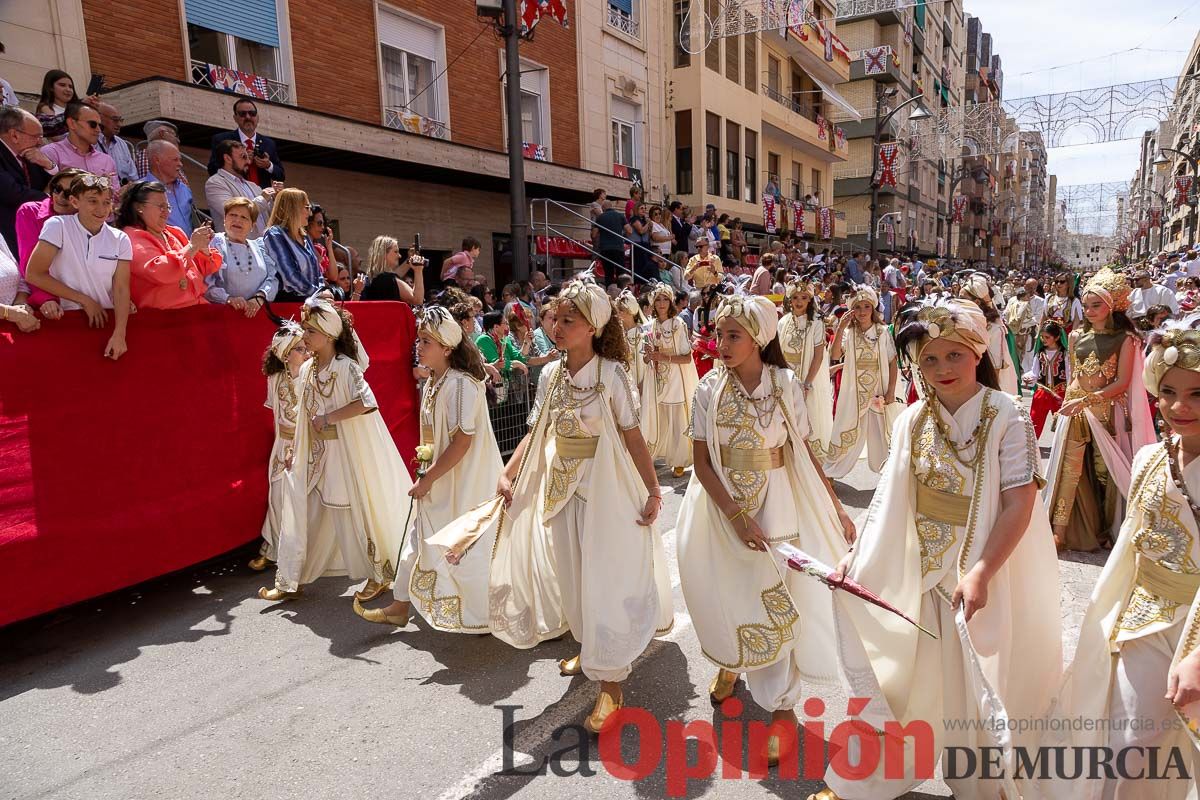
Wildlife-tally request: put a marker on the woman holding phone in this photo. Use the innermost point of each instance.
(385, 271)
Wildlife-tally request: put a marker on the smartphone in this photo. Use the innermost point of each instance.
(95, 85)
(258, 148)
(417, 243)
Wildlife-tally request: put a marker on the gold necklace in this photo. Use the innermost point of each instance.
(944, 432)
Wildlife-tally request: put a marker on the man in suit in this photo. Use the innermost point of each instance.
(265, 165)
(22, 167)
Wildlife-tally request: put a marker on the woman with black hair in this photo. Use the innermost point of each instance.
(957, 540)
(1049, 375)
(58, 89)
(1109, 420)
(1063, 304)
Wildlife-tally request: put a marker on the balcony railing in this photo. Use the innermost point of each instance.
(403, 120)
(806, 111)
(623, 22)
(215, 76)
(862, 8)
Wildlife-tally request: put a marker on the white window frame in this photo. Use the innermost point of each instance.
(535, 79)
(619, 113)
(442, 83)
(284, 70)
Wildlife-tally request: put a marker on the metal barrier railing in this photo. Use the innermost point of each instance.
(508, 410)
(546, 228)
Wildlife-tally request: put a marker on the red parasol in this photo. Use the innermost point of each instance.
(800, 561)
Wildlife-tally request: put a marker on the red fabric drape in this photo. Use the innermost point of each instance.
(112, 473)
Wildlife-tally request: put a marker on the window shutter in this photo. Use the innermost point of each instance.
(254, 20)
(404, 33)
(624, 6)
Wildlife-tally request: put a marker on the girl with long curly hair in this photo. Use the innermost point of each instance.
(669, 381)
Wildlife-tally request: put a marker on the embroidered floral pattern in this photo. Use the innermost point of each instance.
(759, 643)
(735, 415)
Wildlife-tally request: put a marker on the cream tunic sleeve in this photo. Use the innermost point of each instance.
(624, 401)
(460, 404)
(1018, 452)
(889, 345)
(359, 388)
(700, 403)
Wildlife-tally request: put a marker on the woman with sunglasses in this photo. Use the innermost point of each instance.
(168, 268)
(1064, 304)
(33, 215)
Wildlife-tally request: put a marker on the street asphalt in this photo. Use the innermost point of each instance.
(190, 686)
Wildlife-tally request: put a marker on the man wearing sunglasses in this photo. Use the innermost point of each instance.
(80, 148)
(265, 165)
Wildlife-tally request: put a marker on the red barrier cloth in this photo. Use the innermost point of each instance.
(112, 473)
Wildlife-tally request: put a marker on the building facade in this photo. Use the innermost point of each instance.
(1181, 132)
(900, 51)
(390, 114)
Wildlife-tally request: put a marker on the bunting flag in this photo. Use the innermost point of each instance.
(822, 128)
(825, 221)
(875, 59)
(941, 246)
(798, 216)
(827, 39)
(533, 11)
(890, 235)
(769, 218)
(237, 81)
(797, 14)
(839, 138)
(960, 207)
(888, 153)
(1156, 218)
(908, 23)
(1142, 229)
(533, 151)
(1183, 185)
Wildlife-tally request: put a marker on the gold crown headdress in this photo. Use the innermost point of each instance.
(1111, 287)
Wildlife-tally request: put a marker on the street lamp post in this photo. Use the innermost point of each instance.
(881, 122)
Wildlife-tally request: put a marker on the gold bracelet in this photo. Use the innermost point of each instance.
(740, 512)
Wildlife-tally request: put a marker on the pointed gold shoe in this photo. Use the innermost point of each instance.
(570, 666)
(606, 704)
(379, 616)
(370, 591)
(276, 595)
(260, 563)
(722, 687)
(677, 471)
(824, 794)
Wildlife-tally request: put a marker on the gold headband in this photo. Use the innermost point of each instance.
(1179, 348)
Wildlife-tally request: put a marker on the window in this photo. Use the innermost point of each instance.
(683, 33)
(623, 16)
(816, 182)
(773, 76)
(751, 195)
(683, 152)
(626, 132)
(535, 103)
(531, 118)
(750, 68)
(208, 46)
(797, 183)
(712, 53)
(773, 170)
(732, 55)
(733, 160)
(712, 154)
(411, 56)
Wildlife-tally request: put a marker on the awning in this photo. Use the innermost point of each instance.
(837, 99)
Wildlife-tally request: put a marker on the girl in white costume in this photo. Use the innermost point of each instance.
(802, 338)
(867, 406)
(601, 570)
(629, 312)
(464, 465)
(756, 483)
(957, 539)
(350, 482)
(978, 290)
(281, 365)
(1105, 420)
(1137, 657)
(669, 382)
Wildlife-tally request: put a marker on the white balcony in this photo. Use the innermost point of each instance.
(403, 120)
(619, 20)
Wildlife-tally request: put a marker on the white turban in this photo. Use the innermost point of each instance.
(438, 322)
(628, 303)
(286, 338)
(978, 287)
(864, 292)
(755, 313)
(954, 320)
(1177, 344)
(591, 300)
(321, 314)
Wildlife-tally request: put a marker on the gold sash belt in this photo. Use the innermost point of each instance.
(940, 506)
(751, 459)
(1178, 587)
(287, 433)
(327, 433)
(576, 447)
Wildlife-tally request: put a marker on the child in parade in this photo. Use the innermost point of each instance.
(957, 537)
(281, 365)
(1049, 375)
(1137, 658)
(463, 466)
(867, 405)
(668, 383)
(978, 289)
(629, 312)
(350, 482)
(755, 479)
(572, 552)
(1107, 420)
(803, 342)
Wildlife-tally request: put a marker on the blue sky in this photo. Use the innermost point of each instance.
(1032, 36)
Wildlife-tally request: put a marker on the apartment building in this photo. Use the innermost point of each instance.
(752, 113)
(978, 171)
(917, 50)
(1181, 132)
(390, 114)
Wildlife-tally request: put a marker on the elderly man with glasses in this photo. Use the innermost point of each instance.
(111, 142)
(80, 149)
(22, 167)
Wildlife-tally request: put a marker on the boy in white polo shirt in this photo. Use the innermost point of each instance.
(84, 261)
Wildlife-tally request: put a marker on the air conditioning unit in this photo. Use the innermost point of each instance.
(489, 8)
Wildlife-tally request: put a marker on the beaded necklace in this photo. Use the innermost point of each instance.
(944, 431)
(1177, 477)
(764, 407)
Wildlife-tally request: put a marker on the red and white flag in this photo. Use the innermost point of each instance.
(769, 218)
